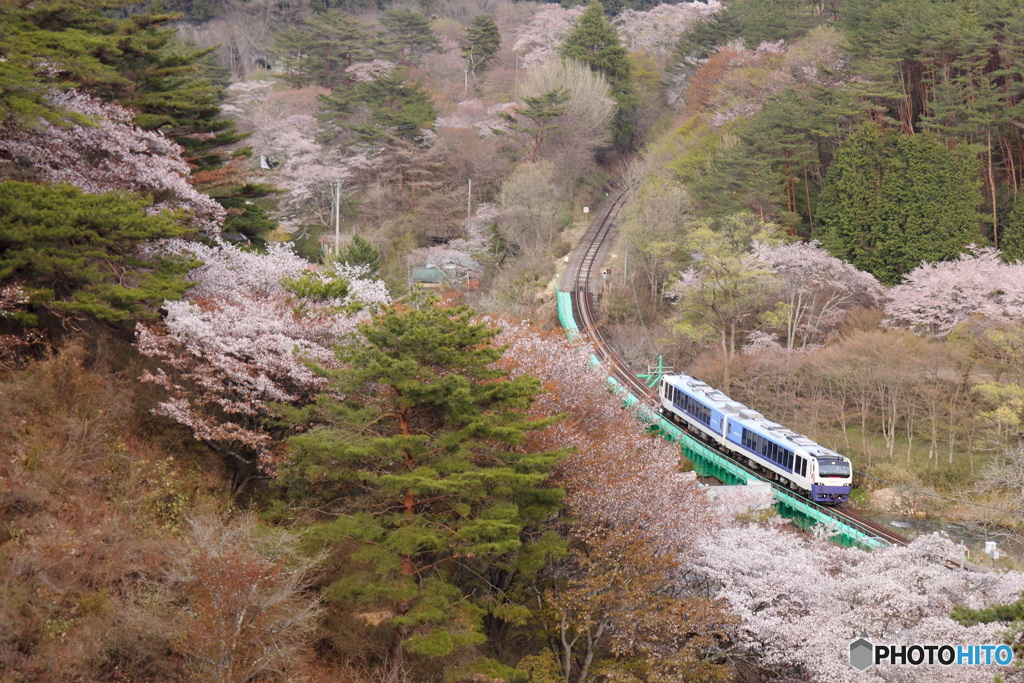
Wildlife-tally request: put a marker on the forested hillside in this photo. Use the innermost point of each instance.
(281, 393)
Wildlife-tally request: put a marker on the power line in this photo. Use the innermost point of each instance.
(636, 299)
(935, 495)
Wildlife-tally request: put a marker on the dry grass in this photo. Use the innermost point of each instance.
(99, 507)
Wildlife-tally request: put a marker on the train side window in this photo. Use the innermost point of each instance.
(789, 460)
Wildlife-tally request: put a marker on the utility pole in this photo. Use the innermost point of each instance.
(515, 82)
(469, 200)
(465, 83)
(336, 206)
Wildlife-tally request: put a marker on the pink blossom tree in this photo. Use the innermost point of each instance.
(817, 290)
(240, 340)
(800, 599)
(540, 38)
(290, 158)
(803, 600)
(936, 297)
(657, 30)
(103, 153)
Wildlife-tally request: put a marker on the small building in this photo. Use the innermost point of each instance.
(429, 278)
(448, 272)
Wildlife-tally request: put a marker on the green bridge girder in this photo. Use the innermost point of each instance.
(708, 462)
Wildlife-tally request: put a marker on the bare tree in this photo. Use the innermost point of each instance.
(239, 599)
(530, 205)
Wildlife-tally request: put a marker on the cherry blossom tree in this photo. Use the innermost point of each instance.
(485, 120)
(540, 38)
(291, 159)
(817, 290)
(637, 525)
(106, 152)
(803, 600)
(936, 297)
(366, 72)
(239, 341)
(657, 30)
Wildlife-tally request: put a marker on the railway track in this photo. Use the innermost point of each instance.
(584, 311)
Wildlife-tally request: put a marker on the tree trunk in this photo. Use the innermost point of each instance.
(992, 185)
(396, 660)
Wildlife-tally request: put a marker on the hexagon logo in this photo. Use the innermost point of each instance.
(862, 654)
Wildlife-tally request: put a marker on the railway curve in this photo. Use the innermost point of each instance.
(578, 282)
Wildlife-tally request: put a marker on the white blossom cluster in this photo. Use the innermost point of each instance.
(658, 30)
(367, 72)
(468, 250)
(801, 599)
(240, 340)
(936, 297)
(817, 288)
(296, 162)
(485, 120)
(539, 39)
(110, 154)
(804, 600)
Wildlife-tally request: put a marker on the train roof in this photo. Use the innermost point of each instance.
(716, 400)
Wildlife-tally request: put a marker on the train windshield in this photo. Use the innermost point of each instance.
(833, 469)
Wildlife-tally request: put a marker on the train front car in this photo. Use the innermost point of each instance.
(832, 478)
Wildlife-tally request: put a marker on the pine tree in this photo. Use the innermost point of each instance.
(77, 253)
(397, 108)
(420, 460)
(408, 36)
(595, 42)
(701, 41)
(892, 200)
(135, 61)
(540, 111)
(360, 252)
(482, 42)
(320, 51)
(1012, 243)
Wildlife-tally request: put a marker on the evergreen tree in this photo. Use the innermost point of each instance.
(397, 108)
(246, 218)
(136, 61)
(360, 252)
(892, 200)
(437, 505)
(320, 51)
(595, 42)
(77, 253)
(701, 41)
(1013, 614)
(1012, 242)
(482, 42)
(771, 20)
(408, 36)
(540, 111)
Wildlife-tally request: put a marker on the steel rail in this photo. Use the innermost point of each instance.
(587, 320)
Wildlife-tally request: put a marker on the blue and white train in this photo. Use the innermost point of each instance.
(778, 453)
